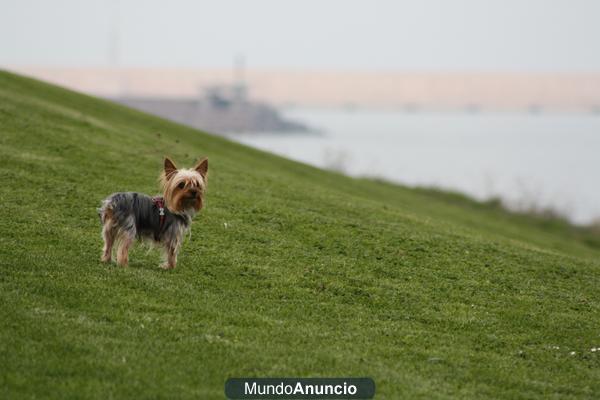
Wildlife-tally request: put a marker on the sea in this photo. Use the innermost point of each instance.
(530, 160)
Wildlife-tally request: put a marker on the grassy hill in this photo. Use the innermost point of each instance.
(290, 271)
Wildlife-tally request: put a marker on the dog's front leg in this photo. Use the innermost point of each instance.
(171, 257)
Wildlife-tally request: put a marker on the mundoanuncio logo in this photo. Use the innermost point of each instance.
(298, 388)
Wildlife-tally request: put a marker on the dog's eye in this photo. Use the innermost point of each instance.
(181, 185)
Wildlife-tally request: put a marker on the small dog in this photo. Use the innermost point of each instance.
(164, 220)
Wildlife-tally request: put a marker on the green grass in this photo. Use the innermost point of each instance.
(290, 271)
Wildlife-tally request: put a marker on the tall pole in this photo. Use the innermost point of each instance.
(239, 64)
(114, 41)
(113, 38)
(239, 86)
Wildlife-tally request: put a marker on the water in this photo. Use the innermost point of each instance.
(541, 160)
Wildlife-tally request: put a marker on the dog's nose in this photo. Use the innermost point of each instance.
(193, 192)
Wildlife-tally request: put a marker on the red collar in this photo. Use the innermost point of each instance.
(160, 204)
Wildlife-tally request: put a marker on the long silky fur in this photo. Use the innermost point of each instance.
(132, 215)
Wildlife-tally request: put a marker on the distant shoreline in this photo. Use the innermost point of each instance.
(411, 91)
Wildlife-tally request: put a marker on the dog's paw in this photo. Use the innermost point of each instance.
(166, 266)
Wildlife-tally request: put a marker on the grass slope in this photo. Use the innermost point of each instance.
(290, 271)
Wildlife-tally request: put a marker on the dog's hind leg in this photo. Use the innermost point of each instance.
(125, 237)
(108, 235)
(125, 242)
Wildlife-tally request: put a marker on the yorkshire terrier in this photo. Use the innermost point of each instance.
(164, 220)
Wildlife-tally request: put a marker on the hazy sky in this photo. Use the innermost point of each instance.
(532, 35)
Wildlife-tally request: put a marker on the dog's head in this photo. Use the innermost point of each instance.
(183, 189)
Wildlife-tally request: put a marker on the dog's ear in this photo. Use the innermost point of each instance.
(202, 167)
(170, 167)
